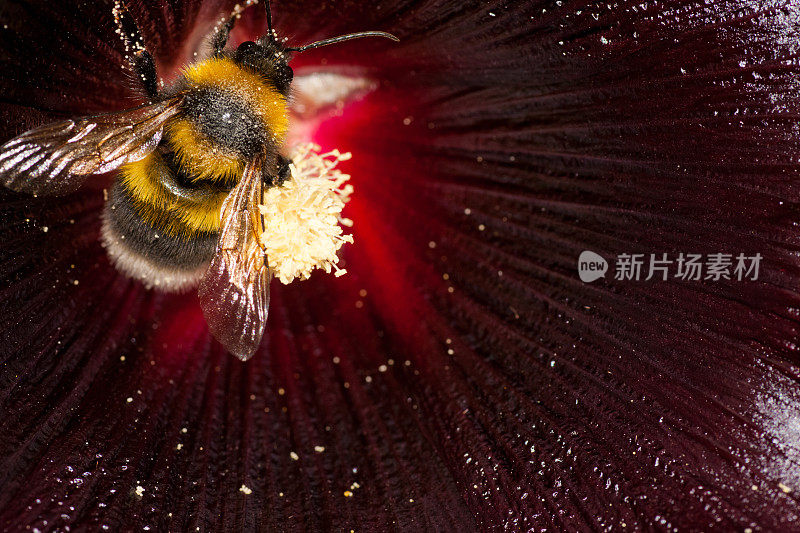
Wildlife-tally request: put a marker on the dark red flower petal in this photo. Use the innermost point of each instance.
(461, 376)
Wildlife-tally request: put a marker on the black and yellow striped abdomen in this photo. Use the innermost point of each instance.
(162, 215)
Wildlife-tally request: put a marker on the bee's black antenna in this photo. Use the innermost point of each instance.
(342, 38)
(269, 20)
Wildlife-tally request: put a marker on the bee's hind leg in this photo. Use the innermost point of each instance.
(140, 59)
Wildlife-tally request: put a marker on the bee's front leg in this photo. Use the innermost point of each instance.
(279, 174)
(220, 38)
(284, 172)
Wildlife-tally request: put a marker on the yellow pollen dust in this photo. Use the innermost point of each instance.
(303, 217)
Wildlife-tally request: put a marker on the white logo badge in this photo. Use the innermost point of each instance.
(591, 266)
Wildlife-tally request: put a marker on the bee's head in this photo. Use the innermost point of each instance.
(269, 58)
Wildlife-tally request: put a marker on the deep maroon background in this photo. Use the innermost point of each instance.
(649, 127)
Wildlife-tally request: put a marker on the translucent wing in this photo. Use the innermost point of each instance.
(55, 158)
(234, 292)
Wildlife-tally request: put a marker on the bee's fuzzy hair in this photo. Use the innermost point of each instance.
(136, 266)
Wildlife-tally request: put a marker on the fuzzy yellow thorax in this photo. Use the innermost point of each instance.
(205, 159)
(266, 101)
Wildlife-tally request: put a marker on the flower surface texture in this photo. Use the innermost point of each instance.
(461, 376)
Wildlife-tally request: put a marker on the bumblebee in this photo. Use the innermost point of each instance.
(192, 165)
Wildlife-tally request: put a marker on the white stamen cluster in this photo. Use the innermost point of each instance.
(302, 217)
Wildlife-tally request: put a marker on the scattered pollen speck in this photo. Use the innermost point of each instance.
(348, 494)
(139, 491)
(294, 456)
(129, 400)
(784, 488)
(319, 449)
(184, 430)
(245, 489)
(179, 446)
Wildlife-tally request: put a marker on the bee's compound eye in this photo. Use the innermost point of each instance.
(289, 73)
(246, 46)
